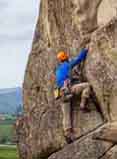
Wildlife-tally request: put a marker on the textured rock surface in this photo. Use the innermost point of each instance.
(108, 132)
(112, 154)
(68, 25)
(101, 68)
(107, 10)
(84, 149)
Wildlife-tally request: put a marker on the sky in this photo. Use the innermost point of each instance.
(17, 23)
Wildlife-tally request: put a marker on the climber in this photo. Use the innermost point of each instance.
(67, 89)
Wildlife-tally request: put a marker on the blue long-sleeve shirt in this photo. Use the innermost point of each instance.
(63, 70)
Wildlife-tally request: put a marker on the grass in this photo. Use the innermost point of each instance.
(6, 132)
(8, 152)
(6, 137)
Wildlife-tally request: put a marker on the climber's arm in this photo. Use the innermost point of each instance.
(81, 57)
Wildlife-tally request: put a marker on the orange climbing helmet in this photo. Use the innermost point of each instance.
(62, 56)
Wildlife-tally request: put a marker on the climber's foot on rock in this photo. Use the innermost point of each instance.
(69, 136)
(68, 139)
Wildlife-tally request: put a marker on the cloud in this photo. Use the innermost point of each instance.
(3, 4)
(17, 20)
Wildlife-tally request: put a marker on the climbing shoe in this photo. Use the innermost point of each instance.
(69, 136)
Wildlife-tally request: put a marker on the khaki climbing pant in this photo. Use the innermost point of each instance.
(84, 90)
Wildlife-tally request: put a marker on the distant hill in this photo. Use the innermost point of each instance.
(10, 100)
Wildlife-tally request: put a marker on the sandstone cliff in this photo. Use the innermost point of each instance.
(69, 25)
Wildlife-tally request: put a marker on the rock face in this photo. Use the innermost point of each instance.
(101, 68)
(108, 132)
(69, 25)
(107, 10)
(86, 148)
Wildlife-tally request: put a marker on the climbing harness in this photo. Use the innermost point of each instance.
(57, 94)
(64, 92)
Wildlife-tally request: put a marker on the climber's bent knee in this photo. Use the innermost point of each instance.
(78, 88)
